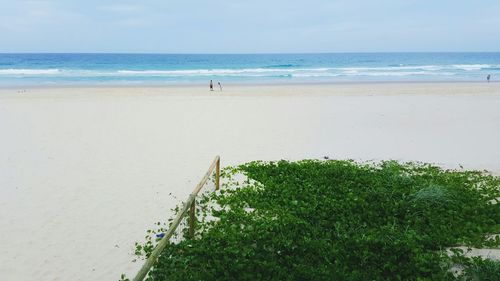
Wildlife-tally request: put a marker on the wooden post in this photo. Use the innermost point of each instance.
(192, 218)
(164, 241)
(206, 176)
(190, 206)
(217, 174)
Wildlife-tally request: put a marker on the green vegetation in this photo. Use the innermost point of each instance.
(486, 270)
(339, 220)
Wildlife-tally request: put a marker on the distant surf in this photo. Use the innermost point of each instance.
(26, 69)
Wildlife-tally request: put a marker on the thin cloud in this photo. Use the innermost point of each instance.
(249, 26)
(121, 8)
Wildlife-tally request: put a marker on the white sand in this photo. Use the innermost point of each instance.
(85, 171)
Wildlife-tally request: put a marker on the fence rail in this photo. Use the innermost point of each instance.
(188, 205)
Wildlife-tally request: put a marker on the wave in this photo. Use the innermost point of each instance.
(281, 66)
(393, 70)
(470, 67)
(410, 73)
(17, 71)
(394, 67)
(221, 72)
(376, 74)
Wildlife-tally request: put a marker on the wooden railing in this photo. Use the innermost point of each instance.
(188, 205)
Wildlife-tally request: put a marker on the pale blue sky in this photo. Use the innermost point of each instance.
(250, 26)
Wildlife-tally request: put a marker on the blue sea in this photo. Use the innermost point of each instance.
(165, 69)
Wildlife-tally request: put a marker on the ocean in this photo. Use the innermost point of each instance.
(164, 69)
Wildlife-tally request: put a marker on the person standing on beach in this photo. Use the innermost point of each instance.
(211, 85)
(488, 78)
(220, 86)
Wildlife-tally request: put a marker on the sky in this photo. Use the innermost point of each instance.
(250, 26)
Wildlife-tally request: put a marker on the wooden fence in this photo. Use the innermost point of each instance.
(190, 206)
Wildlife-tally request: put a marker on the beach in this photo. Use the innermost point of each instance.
(85, 171)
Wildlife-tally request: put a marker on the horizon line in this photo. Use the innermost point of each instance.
(245, 53)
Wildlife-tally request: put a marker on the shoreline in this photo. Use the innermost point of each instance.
(261, 90)
(242, 84)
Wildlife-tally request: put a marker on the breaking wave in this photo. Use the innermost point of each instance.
(14, 71)
(284, 70)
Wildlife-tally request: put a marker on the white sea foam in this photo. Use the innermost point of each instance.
(397, 70)
(408, 73)
(471, 67)
(392, 68)
(206, 72)
(13, 71)
(375, 73)
(305, 75)
(312, 72)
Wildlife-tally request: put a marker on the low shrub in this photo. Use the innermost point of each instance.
(338, 220)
